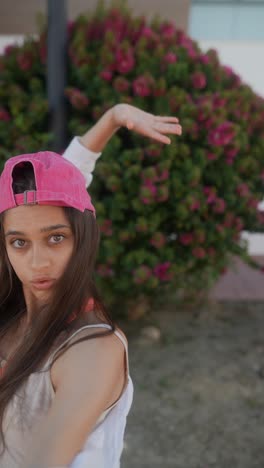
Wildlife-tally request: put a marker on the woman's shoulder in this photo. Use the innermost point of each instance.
(94, 328)
(62, 361)
(92, 324)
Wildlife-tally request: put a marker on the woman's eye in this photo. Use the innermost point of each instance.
(17, 240)
(57, 238)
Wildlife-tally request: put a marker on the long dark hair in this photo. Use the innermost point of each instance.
(52, 318)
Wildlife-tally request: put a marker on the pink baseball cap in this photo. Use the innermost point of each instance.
(58, 182)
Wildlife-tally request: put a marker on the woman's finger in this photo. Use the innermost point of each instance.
(163, 118)
(157, 136)
(168, 128)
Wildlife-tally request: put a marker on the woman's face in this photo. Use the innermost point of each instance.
(39, 243)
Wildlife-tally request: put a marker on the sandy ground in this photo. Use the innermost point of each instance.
(199, 390)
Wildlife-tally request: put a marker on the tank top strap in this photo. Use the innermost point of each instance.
(100, 325)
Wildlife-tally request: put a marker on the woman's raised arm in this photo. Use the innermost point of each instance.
(85, 150)
(133, 118)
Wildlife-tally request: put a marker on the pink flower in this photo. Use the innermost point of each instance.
(142, 274)
(156, 152)
(125, 61)
(170, 57)
(149, 176)
(198, 80)
(150, 187)
(210, 194)
(4, 115)
(116, 22)
(107, 75)
(168, 31)
(43, 53)
(231, 153)
(142, 86)
(211, 156)
(159, 91)
(253, 203)
(161, 271)
(104, 271)
(147, 193)
(239, 224)
(24, 61)
(199, 252)
(219, 205)
(228, 71)
(222, 135)
(191, 48)
(146, 200)
(9, 49)
(208, 123)
(158, 240)
(218, 101)
(186, 238)
(121, 84)
(195, 205)
(191, 51)
(147, 32)
(201, 115)
(229, 220)
(243, 190)
(204, 59)
(184, 40)
(77, 99)
(164, 175)
(94, 31)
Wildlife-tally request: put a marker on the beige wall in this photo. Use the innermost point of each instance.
(19, 16)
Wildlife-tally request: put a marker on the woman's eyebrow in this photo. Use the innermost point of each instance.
(44, 229)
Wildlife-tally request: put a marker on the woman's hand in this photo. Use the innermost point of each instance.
(144, 123)
(125, 115)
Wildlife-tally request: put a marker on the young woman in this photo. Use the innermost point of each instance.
(65, 389)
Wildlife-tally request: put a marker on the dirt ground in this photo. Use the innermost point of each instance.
(199, 390)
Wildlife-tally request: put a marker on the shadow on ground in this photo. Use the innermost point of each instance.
(199, 390)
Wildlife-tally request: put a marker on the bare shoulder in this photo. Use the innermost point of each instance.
(83, 332)
(103, 353)
(99, 329)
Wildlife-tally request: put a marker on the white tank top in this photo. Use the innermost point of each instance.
(104, 444)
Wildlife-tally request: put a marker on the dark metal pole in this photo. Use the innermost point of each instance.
(56, 73)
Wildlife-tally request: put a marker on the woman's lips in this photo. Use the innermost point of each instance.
(43, 284)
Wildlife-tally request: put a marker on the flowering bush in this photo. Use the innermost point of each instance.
(170, 217)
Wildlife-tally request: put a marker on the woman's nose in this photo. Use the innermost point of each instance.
(39, 258)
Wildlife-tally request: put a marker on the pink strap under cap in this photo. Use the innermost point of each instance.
(33, 197)
(26, 198)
